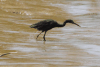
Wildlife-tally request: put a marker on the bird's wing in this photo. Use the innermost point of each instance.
(45, 25)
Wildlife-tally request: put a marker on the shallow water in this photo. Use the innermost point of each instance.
(70, 46)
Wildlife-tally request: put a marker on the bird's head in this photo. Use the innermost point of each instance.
(71, 21)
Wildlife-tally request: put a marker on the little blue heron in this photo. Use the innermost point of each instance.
(48, 24)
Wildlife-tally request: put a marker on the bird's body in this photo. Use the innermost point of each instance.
(48, 24)
(45, 25)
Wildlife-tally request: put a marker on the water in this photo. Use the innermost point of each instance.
(70, 46)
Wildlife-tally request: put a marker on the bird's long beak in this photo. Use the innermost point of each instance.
(77, 24)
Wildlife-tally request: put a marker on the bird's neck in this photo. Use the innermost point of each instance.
(61, 25)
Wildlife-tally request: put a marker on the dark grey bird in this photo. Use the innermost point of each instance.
(48, 24)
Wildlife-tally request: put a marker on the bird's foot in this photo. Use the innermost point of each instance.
(44, 40)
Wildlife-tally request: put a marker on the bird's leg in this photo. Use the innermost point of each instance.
(38, 35)
(44, 35)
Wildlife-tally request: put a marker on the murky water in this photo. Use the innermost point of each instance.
(70, 46)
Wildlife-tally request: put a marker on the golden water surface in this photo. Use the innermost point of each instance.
(69, 46)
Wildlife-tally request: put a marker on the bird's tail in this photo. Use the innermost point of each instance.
(33, 26)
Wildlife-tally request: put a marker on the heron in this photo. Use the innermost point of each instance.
(48, 24)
